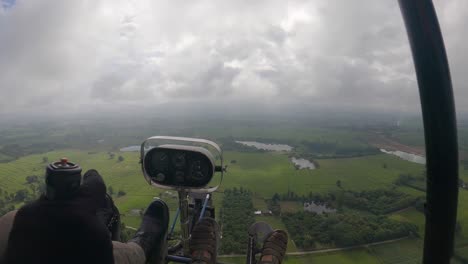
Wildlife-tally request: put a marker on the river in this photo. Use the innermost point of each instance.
(406, 156)
(298, 162)
(264, 146)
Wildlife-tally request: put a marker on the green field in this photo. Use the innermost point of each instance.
(405, 251)
(355, 256)
(411, 215)
(266, 173)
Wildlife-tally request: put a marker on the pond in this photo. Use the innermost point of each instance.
(406, 156)
(263, 146)
(303, 163)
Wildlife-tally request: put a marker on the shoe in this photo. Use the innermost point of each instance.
(110, 217)
(274, 248)
(94, 187)
(204, 242)
(152, 234)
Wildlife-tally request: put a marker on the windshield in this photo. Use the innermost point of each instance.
(314, 104)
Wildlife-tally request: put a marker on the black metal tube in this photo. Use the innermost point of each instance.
(438, 109)
(251, 250)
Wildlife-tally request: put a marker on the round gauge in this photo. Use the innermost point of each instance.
(198, 170)
(160, 161)
(178, 159)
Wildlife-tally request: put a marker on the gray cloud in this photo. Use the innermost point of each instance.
(322, 52)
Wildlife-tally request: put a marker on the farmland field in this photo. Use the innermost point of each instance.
(265, 174)
(406, 251)
(411, 215)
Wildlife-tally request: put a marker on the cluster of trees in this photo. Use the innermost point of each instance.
(15, 151)
(310, 230)
(230, 144)
(6, 202)
(237, 215)
(328, 199)
(306, 149)
(35, 186)
(416, 182)
(380, 201)
(316, 197)
(328, 149)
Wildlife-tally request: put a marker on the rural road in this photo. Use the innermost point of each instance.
(300, 253)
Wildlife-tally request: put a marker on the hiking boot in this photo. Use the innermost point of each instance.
(204, 242)
(94, 187)
(274, 248)
(152, 234)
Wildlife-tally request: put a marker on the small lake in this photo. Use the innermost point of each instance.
(263, 146)
(130, 149)
(406, 156)
(303, 163)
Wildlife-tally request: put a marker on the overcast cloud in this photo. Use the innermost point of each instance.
(108, 53)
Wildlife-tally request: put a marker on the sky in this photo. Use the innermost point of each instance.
(73, 56)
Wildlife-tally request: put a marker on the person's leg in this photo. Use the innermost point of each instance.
(128, 253)
(149, 242)
(274, 248)
(204, 242)
(152, 234)
(6, 223)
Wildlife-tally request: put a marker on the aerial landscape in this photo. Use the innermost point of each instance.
(340, 195)
(315, 104)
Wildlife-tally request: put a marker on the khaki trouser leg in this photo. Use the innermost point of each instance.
(128, 253)
(6, 223)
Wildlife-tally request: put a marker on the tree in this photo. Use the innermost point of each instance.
(111, 155)
(45, 159)
(384, 165)
(121, 193)
(21, 195)
(338, 183)
(120, 159)
(110, 190)
(276, 197)
(32, 179)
